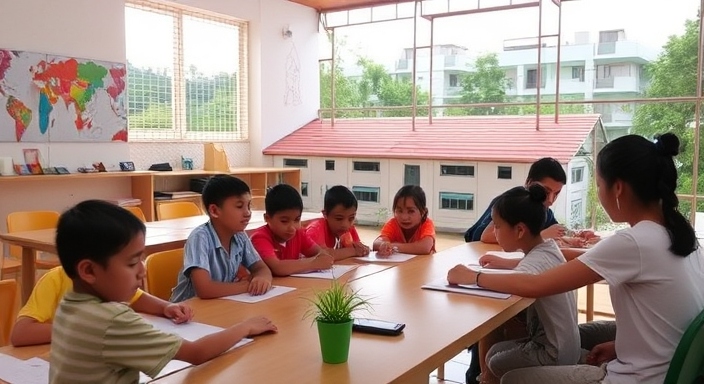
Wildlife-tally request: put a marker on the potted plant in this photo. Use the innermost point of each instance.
(332, 311)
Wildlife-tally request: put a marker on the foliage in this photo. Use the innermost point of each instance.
(486, 83)
(336, 304)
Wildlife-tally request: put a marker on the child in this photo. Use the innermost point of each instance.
(215, 250)
(335, 232)
(282, 243)
(96, 338)
(410, 230)
(553, 338)
(33, 325)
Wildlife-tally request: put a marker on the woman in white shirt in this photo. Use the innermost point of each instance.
(655, 269)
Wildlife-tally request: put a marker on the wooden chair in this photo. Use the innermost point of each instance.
(177, 209)
(162, 272)
(32, 221)
(687, 365)
(8, 298)
(137, 211)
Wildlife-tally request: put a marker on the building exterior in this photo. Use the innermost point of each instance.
(461, 163)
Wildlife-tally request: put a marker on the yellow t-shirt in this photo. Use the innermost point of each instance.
(47, 295)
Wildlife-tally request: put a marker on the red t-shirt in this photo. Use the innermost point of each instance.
(394, 233)
(299, 246)
(319, 232)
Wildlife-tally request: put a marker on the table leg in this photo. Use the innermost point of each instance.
(28, 272)
(590, 302)
(441, 373)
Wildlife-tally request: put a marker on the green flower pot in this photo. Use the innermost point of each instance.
(335, 341)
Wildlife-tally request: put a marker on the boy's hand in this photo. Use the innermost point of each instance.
(602, 353)
(460, 274)
(554, 231)
(360, 249)
(259, 285)
(323, 261)
(492, 261)
(259, 325)
(385, 249)
(178, 313)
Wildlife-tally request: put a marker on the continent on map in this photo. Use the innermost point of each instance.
(20, 113)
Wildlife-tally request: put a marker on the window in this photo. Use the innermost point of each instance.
(180, 86)
(504, 172)
(458, 201)
(370, 194)
(304, 189)
(329, 165)
(578, 73)
(453, 81)
(367, 166)
(577, 175)
(300, 163)
(457, 170)
(532, 78)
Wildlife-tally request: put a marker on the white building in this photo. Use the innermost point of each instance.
(461, 163)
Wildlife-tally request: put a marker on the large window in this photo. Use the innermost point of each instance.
(457, 201)
(369, 194)
(366, 166)
(457, 170)
(187, 74)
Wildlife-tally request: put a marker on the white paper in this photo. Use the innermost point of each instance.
(330, 274)
(171, 367)
(393, 258)
(16, 371)
(443, 285)
(247, 298)
(477, 268)
(507, 255)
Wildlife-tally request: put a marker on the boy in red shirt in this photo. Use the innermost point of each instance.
(282, 243)
(335, 232)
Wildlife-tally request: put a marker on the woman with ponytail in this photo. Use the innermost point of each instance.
(655, 269)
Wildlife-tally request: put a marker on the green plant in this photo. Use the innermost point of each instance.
(336, 304)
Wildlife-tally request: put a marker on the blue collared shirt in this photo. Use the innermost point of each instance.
(203, 250)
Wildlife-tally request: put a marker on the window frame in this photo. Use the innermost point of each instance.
(450, 166)
(329, 162)
(303, 163)
(577, 171)
(466, 197)
(365, 189)
(500, 168)
(377, 166)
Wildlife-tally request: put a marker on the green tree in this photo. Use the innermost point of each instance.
(389, 92)
(485, 83)
(674, 73)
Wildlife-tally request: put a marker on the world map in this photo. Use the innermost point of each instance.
(61, 99)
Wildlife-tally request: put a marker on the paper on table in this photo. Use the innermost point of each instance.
(393, 258)
(330, 274)
(477, 268)
(16, 371)
(247, 298)
(171, 367)
(443, 285)
(507, 255)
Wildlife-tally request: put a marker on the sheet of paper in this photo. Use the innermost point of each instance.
(507, 255)
(247, 298)
(171, 367)
(394, 258)
(16, 371)
(477, 268)
(330, 274)
(443, 285)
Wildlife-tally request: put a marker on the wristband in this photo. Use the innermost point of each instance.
(476, 279)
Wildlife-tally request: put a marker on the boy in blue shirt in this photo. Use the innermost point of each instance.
(215, 250)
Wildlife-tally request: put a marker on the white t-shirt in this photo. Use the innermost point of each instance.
(552, 320)
(656, 295)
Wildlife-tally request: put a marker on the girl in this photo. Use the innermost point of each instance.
(410, 230)
(654, 269)
(553, 337)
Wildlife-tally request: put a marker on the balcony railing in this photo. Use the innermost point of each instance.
(607, 82)
(606, 48)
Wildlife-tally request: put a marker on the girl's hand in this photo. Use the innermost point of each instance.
(492, 261)
(178, 313)
(360, 249)
(385, 249)
(461, 274)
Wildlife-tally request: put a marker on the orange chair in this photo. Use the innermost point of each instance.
(177, 209)
(137, 211)
(8, 298)
(162, 272)
(32, 221)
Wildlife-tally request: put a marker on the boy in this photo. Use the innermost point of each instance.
(33, 325)
(96, 338)
(282, 243)
(335, 232)
(215, 250)
(546, 171)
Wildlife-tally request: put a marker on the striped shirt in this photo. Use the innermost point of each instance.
(105, 342)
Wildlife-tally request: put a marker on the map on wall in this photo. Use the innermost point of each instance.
(46, 98)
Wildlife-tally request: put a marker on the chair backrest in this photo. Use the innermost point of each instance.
(137, 211)
(8, 298)
(687, 364)
(162, 272)
(29, 221)
(177, 209)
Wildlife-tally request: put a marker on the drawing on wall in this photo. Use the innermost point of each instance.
(46, 98)
(292, 96)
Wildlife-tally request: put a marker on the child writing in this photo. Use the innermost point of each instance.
(410, 230)
(553, 337)
(215, 250)
(335, 232)
(33, 325)
(96, 338)
(282, 243)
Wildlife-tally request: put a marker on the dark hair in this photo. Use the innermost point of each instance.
(282, 197)
(339, 195)
(649, 169)
(221, 187)
(523, 205)
(416, 193)
(95, 230)
(547, 167)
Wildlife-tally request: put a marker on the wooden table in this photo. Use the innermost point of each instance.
(160, 236)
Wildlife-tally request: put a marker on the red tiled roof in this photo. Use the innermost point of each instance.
(474, 138)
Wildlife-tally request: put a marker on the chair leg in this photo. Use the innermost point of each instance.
(441, 372)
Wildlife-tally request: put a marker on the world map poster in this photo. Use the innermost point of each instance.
(47, 98)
